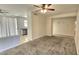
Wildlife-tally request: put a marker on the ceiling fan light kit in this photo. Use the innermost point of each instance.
(44, 8)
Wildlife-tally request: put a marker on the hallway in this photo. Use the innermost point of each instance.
(55, 45)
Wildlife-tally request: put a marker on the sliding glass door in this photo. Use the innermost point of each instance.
(8, 26)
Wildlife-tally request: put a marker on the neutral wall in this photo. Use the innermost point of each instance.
(38, 26)
(49, 26)
(64, 26)
(77, 33)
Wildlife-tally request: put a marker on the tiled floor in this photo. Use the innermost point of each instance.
(55, 45)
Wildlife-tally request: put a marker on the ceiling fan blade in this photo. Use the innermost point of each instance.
(3, 12)
(36, 6)
(51, 9)
(43, 6)
(36, 10)
(49, 5)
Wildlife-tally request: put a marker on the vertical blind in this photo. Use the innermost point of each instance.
(8, 26)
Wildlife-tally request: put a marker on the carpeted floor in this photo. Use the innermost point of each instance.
(55, 45)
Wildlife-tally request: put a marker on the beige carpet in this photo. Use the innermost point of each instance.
(55, 45)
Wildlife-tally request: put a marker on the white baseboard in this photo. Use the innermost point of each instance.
(62, 35)
(36, 37)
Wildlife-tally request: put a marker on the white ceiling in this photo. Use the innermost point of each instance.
(63, 8)
(22, 9)
(16, 9)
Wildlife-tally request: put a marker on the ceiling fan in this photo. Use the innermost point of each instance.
(44, 8)
(3, 11)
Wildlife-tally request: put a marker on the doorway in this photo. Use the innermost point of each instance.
(64, 26)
